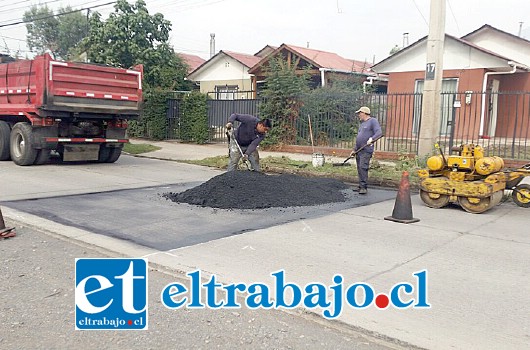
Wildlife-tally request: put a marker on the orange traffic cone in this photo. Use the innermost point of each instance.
(5, 232)
(403, 208)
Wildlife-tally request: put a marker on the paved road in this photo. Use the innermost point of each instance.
(478, 265)
(145, 217)
(37, 310)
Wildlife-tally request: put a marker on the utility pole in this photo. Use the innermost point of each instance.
(431, 103)
(520, 28)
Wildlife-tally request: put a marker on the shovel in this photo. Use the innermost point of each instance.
(229, 135)
(355, 153)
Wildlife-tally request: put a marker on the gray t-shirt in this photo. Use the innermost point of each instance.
(368, 128)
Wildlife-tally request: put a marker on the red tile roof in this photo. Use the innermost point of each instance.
(191, 60)
(330, 60)
(243, 58)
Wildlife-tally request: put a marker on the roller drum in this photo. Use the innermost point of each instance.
(489, 165)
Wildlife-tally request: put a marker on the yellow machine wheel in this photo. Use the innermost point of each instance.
(434, 200)
(479, 205)
(521, 195)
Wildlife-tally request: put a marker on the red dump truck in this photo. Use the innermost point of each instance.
(78, 110)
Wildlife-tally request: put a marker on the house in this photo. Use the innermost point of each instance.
(192, 61)
(225, 76)
(232, 75)
(483, 75)
(324, 66)
(267, 50)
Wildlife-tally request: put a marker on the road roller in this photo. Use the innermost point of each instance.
(477, 183)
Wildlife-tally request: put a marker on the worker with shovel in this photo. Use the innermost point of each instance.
(245, 139)
(369, 131)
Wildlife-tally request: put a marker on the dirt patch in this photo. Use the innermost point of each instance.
(254, 190)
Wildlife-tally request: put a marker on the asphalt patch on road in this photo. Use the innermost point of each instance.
(146, 217)
(256, 190)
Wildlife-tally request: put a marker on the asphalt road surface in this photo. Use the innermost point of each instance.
(37, 310)
(125, 200)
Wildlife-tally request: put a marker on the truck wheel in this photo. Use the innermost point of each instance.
(104, 154)
(108, 154)
(5, 130)
(43, 156)
(22, 150)
(115, 153)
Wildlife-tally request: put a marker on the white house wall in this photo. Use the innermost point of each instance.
(223, 68)
(503, 44)
(456, 56)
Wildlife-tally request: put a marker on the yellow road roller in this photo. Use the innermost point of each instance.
(475, 182)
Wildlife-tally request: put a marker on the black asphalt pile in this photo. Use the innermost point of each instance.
(254, 190)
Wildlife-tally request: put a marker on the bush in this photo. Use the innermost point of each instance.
(194, 118)
(153, 121)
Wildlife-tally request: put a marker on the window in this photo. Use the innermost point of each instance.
(448, 85)
(226, 92)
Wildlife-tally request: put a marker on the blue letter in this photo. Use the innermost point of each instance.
(337, 288)
(195, 292)
(167, 295)
(394, 295)
(320, 295)
(211, 293)
(257, 299)
(422, 289)
(368, 295)
(231, 294)
(280, 291)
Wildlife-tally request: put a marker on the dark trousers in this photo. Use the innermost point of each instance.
(363, 163)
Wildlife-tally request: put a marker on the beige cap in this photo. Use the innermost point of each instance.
(363, 109)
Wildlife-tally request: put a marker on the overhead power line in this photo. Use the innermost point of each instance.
(421, 14)
(56, 15)
(454, 17)
(13, 4)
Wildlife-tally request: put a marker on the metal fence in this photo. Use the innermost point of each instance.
(498, 121)
(220, 110)
(337, 128)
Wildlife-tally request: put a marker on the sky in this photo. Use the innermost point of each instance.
(362, 30)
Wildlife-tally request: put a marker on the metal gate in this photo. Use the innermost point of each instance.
(220, 110)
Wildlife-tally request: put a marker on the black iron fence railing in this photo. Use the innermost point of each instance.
(497, 121)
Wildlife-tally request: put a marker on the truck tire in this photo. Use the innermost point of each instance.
(43, 156)
(5, 131)
(108, 154)
(104, 154)
(115, 153)
(21, 141)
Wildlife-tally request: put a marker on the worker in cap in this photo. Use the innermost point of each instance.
(369, 130)
(248, 135)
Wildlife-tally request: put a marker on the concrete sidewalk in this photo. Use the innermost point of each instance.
(174, 150)
(478, 265)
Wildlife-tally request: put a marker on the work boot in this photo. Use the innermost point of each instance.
(356, 189)
(362, 191)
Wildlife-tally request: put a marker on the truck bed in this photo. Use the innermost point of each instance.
(60, 89)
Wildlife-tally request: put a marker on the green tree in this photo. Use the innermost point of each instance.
(72, 29)
(332, 110)
(131, 36)
(284, 87)
(58, 34)
(395, 49)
